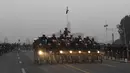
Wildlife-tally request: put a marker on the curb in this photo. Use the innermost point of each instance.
(121, 61)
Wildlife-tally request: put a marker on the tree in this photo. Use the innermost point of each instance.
(124, 26)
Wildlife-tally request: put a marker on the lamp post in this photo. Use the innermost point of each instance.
(113, 33)
(18, 45)
(106, 31)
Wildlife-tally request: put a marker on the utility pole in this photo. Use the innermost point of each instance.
(127, 49)
(60, 32)
(18, 44)
(112, 29)
(105, 26)
(112, 35)
(112, 38)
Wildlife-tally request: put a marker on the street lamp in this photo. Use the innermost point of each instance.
(113, 32)
(106, 31)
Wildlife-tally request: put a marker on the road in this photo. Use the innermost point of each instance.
(23, 63)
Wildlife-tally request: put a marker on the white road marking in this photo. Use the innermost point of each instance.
(23, 70)
(20, 62)
(108, 65)
(18, 57)
(17, 54)
(77, 68)
(69, 68)
(45, 69)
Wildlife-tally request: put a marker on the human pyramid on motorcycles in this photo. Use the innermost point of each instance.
(66, 49)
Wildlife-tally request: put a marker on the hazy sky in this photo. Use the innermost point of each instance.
(30, 18)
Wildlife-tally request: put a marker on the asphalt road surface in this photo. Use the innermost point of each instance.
(23, 63)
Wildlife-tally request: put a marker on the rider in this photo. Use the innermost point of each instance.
(93, 43)
(53, 38)
(53, 41)
(35, 47)
(44, 39)
(61, 37)
(80, 42)
(79, 38)
(88, 42)
(66, 32)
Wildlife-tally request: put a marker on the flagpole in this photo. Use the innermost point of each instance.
(106, 35)
(67, 18)
(106, 31)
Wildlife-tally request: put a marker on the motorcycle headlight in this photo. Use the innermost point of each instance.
(40, 52)
(50, 51)
(80, 52)
(89, 51)
(80, 40)
(61, 51)
(71, 51)
(49, 44)
(58, 43)
(98, 51)
(40, 44)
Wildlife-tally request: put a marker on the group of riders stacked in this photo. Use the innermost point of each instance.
(66, 48)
